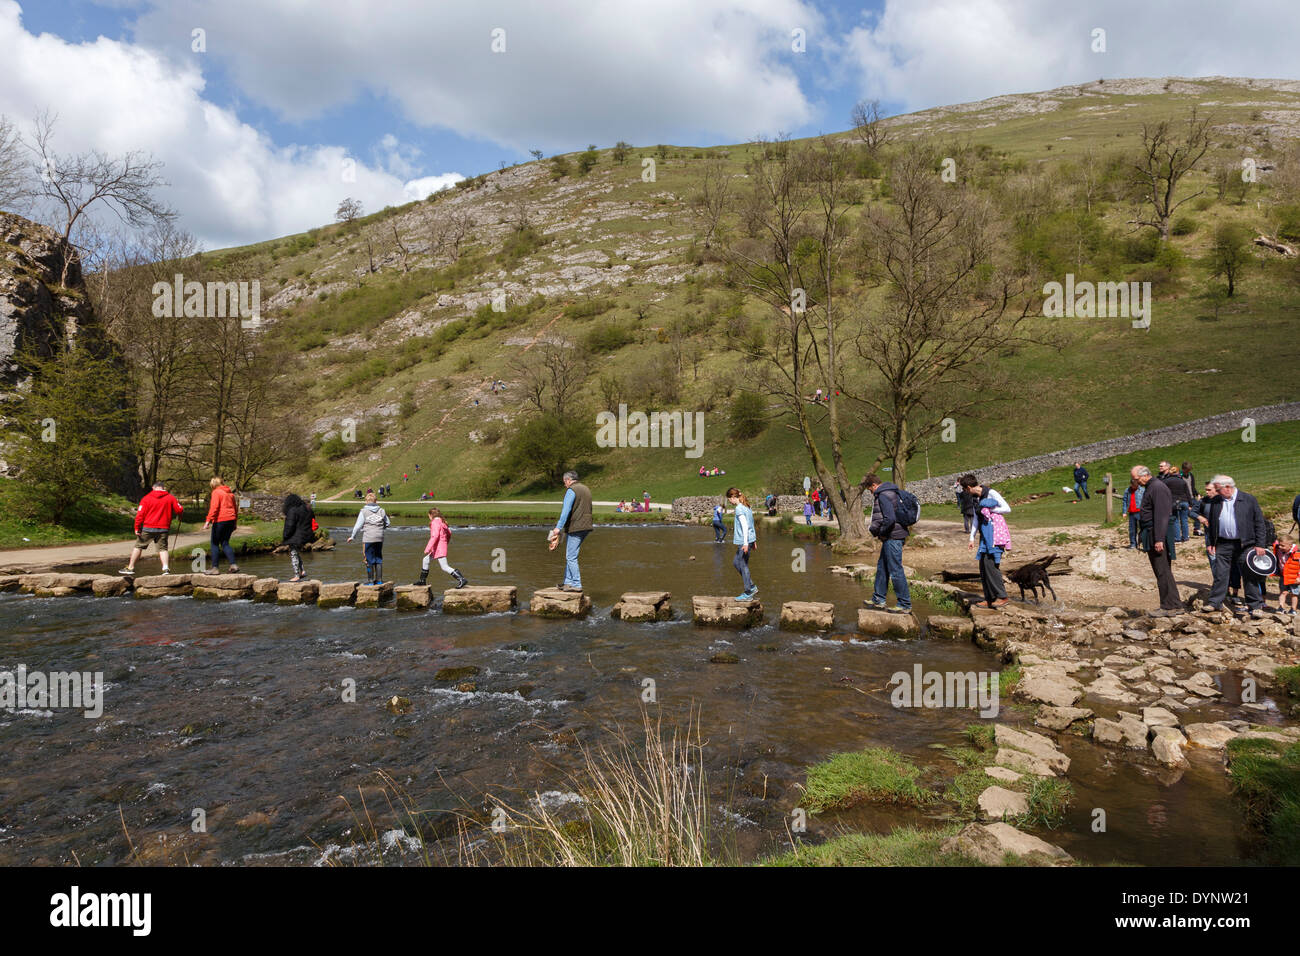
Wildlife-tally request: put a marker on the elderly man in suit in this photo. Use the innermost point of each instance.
(1157, 536)
(1236, 524)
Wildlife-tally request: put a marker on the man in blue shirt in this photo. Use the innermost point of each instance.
(575, 522)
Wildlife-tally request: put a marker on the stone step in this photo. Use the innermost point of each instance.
(203, 592)
(223, 582)
(888, 623)
(374, 595)
(414, 597)
(553, 602)
(641, 606)
(337, 594)
(302, 592)
(713, 611)
(265, 589)
(807, 616)
(480, 599)
(953, 628)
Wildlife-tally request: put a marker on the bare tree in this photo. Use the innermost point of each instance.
(15, 184)
(349, 211)
(868, 124)
(949, 309)
(1165, 159)
(401, 246)
(799, 197)
(713, 199)
(551, 375)
(73, 184)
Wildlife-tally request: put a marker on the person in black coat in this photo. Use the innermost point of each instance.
(298, 532)
(966, 505)
(1236, 524)
(1182, 495)
(1158, 534)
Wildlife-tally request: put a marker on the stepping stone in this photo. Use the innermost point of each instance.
(223, 587)
(374, 595)
(807, 616)
(990, 843)
(480, 599)
(337, 594)
(302, 592)
(1158, 717)
(1059, 718)
(642, 606)
(1031, 743)
(1167, 745)
(712, 611)
(998, 803)
(110, 585)
(951, 627)
(1128, 730)
(879, 623)
(9, 582)
(1211, 736)
(1005, 774)
(163, 585)
(553, 602)
(265, 589)
(414, 597)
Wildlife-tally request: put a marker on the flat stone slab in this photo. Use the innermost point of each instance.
(301, 592)
(888, 623)
(712, 611)
(1128, 731)
(1034, 744)
(1059, 718)
(1005, 774)
(202, 592)
(642, 606)
(1167, 745)
(374, 595)
(110, 585)
(224, 582)
(951, 626)
(413, 597)
(52, 581)
(998, 803)
(164, 581)
(265, 589)
(183, 590)
(1212, 736)
(480, 599)
(1056, 692)
(9, 582)
(553, 602)
(807, 616)
(990, 843)
(337, 594)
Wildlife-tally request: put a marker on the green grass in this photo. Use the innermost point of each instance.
(877, 774)
(1047, 797)
(1265, 778)
(903, 846)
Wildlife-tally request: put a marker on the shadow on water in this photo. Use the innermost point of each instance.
(238, 709)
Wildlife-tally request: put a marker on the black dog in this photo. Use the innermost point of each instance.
(1033, 576)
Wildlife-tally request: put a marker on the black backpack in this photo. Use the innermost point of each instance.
(907, 509)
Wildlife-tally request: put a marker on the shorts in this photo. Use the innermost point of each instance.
(1293, 589)
(145, 537)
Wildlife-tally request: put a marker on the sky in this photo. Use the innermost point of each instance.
(266, 113)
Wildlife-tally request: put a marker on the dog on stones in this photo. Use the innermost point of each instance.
(1033, 576)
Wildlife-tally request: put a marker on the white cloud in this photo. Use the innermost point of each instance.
(229, 182)
(573, 71)
(923, 53)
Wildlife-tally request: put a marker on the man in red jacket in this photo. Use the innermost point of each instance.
(153, 521)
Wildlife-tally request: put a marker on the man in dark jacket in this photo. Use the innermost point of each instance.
(966, 505)
(1157, 529)
(1080, 481)
(1236, 524)
(1182, 496)
(885, 526)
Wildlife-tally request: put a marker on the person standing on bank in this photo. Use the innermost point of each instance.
(1182, 496)
(1236, 524)
(222, 518)
(892, 533)
(1080, 481)
(575, 523)
(1158, 531)
(989, 553)
(1132, 507)
(746, 540)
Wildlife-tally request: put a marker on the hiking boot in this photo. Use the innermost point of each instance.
(461, 580)
(424, 579)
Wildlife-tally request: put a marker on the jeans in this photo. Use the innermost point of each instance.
(1133, 530)
(1081, 489)
(807, 519)
(572, 545)
(1184, 507)
(719, 532)
(221, 532)
(741, 564)
(889, 567)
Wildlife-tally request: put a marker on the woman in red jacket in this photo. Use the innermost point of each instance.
(223, 515)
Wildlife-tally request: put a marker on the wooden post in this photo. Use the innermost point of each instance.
(1110, 502)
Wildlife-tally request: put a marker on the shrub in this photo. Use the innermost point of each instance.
(1184, 226)
(747, 416)
(873, 774)
(607, 337)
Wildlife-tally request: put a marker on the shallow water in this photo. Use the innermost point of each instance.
(237, 709)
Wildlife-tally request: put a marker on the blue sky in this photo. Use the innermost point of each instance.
(410, 95)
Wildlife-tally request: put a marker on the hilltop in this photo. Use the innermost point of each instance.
(392, 315)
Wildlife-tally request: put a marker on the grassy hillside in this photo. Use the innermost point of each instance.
(410, 349)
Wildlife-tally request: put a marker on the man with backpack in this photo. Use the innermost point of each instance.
(895, 511)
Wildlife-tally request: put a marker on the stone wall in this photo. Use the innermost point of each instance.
(939, 489)
(701, 506)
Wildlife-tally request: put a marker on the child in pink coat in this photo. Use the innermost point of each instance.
(439, 538)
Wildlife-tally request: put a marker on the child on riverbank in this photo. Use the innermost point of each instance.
(372, 522)
(745, 540)
(1288, 566)
(439, 539)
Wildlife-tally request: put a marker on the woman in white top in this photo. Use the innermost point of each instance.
(989, 553)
